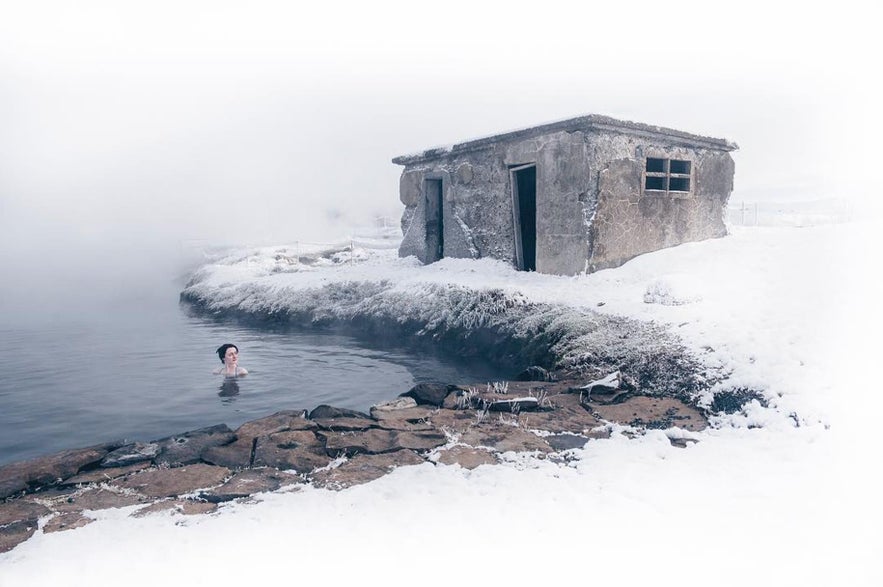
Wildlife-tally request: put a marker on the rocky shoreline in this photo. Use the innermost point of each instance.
(331, 448)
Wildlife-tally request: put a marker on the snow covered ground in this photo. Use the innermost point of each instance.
(778, 496)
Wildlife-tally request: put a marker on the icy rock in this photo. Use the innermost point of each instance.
(137, 452)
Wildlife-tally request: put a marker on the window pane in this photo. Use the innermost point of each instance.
(655, 165)
(680, 166)
(679, 184)
(654, 183)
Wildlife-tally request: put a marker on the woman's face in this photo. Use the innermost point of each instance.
(231, 356)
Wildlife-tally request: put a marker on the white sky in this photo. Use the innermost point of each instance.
(266, 122)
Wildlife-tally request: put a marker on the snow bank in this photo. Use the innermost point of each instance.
(794, 312)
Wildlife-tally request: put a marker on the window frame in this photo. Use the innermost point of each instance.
(666, 176)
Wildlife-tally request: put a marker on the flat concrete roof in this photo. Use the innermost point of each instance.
(589, 122)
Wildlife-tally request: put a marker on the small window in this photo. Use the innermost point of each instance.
(667, 175)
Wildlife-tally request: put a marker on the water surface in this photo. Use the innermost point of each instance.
(140, 367)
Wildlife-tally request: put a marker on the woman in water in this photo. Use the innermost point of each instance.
(229, 355)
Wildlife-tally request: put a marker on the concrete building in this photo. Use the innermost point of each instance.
(567, 197)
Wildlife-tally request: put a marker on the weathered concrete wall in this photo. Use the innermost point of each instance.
(591, 209)
(478, 209)
(628, 222)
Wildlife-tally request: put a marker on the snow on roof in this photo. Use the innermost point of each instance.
(588, 122)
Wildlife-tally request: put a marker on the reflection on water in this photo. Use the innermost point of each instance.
(229, 390)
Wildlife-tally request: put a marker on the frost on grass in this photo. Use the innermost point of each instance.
(502, 326)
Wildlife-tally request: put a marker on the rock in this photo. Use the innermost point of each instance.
(406, 425)
(567, 415)
(466, 456)
(236, 455)
(187, 448)
(15, 533)
(682, 442)
(365, 468)
(514, 405)
(399, 404)
(456, 421)
(187, 507)
(278, 422)
(11, 485)
(343, 423)
(173, 482)
(566, 441)
(433, 394)
(325, 411)
(21, 511)
(378, 441)
(535, 373)
(505, 437)
(92, 498)
(295, 450)
(136, 452)
(248, 483)
(48, 470)
(68, 521)
(102, 475)
(656, 413)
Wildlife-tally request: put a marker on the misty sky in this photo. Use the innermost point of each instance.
(136, 125)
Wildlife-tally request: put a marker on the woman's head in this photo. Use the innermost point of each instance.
(228, 350)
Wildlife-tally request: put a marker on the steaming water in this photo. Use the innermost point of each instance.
(138, 366)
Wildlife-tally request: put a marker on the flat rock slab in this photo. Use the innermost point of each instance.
(136, 452)
(343, 424)
(364, 468)
(291, 451)
(187, 448)
(455, 421)
(15, 533)
(653, 413)
(236, 455)
(21, 511)
(324, 412)
(48, 470)
(412, 413)
(467, 457)
(278, 422)
(376, 441)
(186, 507)
(92, 498)
(173, 482)
(566, 415)
(102, 475)
(504, 438)
(68, 521)
(248, 483)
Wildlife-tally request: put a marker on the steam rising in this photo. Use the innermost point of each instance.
(128, 134)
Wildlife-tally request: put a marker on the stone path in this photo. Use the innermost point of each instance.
(332, 448)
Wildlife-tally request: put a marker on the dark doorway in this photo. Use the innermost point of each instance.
(524, 201)
(435, 225)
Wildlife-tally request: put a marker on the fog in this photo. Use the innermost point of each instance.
(132, 135)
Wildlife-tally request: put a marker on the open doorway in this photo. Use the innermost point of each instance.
(523, 179)
(435, 225)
